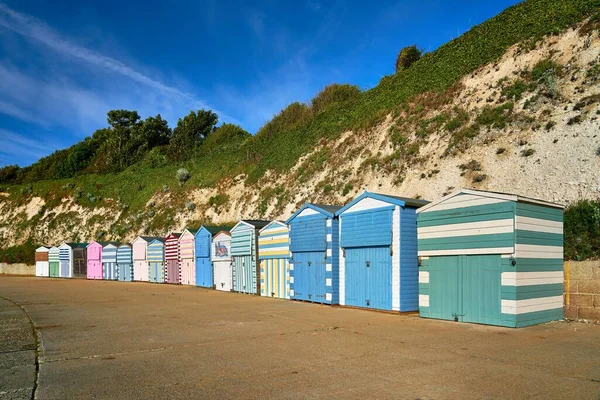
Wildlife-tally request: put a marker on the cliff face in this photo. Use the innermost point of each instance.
(528, 123)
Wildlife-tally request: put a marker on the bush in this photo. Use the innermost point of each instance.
(515, 90)
(496, 117)
(334, 93)
(500, 150)
(582, 230)
(407, 57)
(550, 125)
(545, 67)
(218, 200)
(182, 176)
(190, 206)
(527, 152)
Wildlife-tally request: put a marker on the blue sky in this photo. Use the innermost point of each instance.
(64, 64)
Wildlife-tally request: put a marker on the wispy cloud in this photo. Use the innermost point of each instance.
(12, 143)
(37, 30)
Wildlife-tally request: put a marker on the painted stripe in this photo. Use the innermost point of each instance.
(467, 229)
(423, 276)
(454, 252)
(463, 201)
(531, 305)
(423, 300)
(328, 296)
(539, 225)
(328, 222)
(396, 296)
(531, 292)
(328, 267)
(531, 278)
(537, 251)
(263, 241)
(327, 281)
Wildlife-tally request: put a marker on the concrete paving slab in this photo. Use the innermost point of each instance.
(137, 340)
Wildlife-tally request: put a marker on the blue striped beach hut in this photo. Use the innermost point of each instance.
(110, 271)
(378, 252)
(156, 260)
(314, 255)
(125, 263)
(244, 254)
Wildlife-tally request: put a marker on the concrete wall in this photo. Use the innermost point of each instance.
(582, 290)
(16, 269)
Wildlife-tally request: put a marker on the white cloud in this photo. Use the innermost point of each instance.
(12, 143)
(36, 30)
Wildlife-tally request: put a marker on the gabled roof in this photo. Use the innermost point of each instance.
(214, 229)
(325, 209)
(176, 234)
(494, 195)
(42, 248)
(397, 200)
(222, 232)
(254, 223)
(191, 231)
(74, 245)
(160, 240)
(104, 244)
(124, 245)
(274, 222)
(147, 239)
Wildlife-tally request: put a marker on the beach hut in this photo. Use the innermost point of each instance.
(42, 268)
(54, 261)
(244, 254)
(94, 260)
(221, 261)
(66, 259)
(491, 258)
(140, 263)
(79, 255)
(172, 259)
(378, 252)
(203, 243)
(156, 260)
(314, 255)
(110, 271)
(274, 256)
(125, 263)
(187, 257)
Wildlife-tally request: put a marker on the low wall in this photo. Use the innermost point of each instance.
(16, 269)
(582, 290)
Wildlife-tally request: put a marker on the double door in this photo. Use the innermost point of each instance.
(368, 277)
(465, 288)
(310, 276)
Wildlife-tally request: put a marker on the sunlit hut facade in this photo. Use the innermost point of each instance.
(54, 261)
(314, 263)
(156, 260)
(244, 252)
(378, 252)
(94, 260)
(221, 261)
(125, 262)
(141, 268)
(203, 242)
(172, 258)
(187, 257)
(274, 255)
(110, 270)
(42, 267)
(491, 258)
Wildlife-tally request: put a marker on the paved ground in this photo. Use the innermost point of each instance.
(134, 340)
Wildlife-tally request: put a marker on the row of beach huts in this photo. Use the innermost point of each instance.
(473, 256)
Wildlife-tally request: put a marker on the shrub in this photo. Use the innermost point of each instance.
(461, 118)
(515, 90)
(545, 67)
(182, 176)
(218, 200)
(472, 165)
(407, 57)
(190, 206)
(527, 152)
(348, 187)
(334, 93)
(500, 150)
(550, 125)
(479, 178)
(496, 117)
(574, 120)
(582, 230)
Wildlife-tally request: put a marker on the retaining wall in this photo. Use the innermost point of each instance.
(582, 290)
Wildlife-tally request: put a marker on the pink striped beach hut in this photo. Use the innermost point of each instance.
(172, 258)
(94, 260)
(187, 257)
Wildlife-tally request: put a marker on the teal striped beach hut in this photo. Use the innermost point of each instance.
(491, 258)
(156, 260)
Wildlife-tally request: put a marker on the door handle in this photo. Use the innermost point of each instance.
(368, 263)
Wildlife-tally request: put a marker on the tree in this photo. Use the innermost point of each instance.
(189, 133)
(225, 136)
(407, 57)
(9, 173)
